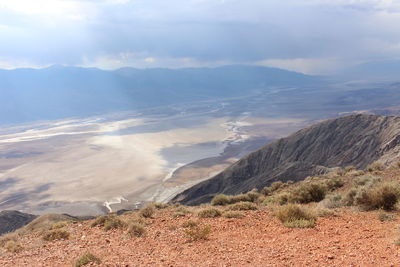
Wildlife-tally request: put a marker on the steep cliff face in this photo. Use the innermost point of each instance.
(354, 140)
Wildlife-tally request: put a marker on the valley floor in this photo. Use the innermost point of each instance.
(347, 238)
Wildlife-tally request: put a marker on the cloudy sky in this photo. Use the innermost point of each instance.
(312, 36)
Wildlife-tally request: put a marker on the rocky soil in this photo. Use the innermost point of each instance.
(349, 238)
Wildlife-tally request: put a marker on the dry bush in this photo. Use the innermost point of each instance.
(181, 211)
(349, 169)
(148, 211)
(209, 213)
(356, 173)
(159, 205)
(242, 206)
(109, 222)
(57, 234)
(292, 215)
(198, 233)
(376, 166)
(13, 246)
(8, 237)
(136, 229)
(189, 223)
(334, 183)
(58, 225)
(331, 201)
(309, 192)
(233, 214)
(221, 200)
(45, 222)
(87, 258)
(268, 190)
(384, 217)
(381, 196)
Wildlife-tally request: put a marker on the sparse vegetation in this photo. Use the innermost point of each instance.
(382, 196)
(86, 259)
(209, 213)
(233, 214)
(384, 217)
(332, 201)
(273, 188)
(136, 229)
(223, 200)
(58, 225)
(376, 166)
(12, 246)
(148, 211)
(109, 222)
(159, 205)
(198, 233)
(308, 192)
(293, 215)
(243, 206)
(57, 234)
(189, 223)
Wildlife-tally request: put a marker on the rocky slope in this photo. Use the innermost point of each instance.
(11, 220)
(356, 140)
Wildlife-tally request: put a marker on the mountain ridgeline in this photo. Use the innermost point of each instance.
(58, 92)
(355, 140)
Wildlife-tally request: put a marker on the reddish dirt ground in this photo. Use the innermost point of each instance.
(350, 239)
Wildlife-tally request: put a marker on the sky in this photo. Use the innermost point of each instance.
(309, 36)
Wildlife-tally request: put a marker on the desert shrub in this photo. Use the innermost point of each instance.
(366, 180)
(109, 222)
(57, 234)
(310, 192)
(243, 206)
(382, 196)
(292, 215)
(198, 233)
(349, 169)
(58, 225)
(356, 173)
(332, 201)
(240, 198)
(221, 200)
(8, 237)
(181, 211)
(189, 223)
(12, 246)
(376, 166)
(232, 214)
(383, 217)
(268, 190)
(334, 183)
(86, 259)
(148, 211)
(136, 229)
(209, 213)
(160, 206)
(253, 195)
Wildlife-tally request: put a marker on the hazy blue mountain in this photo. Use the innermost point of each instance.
(57, 91)
(377, 70)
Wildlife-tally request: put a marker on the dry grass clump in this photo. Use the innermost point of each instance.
(275, 186)
(308, 192)
(295, 216)
(381, 196)
(181, 211)
(58, 225)
(223, 200)
(57, 234)
(243, 206)
(376, 166)
(189, 223)
(136, 229)
(198, 233)
(109, 222)
(384, 217)
(332, 201)
(87, 258)
(12, 246)
(160, 206)
(148, 211)
(8, 237)
(233, 214)
(209, 213)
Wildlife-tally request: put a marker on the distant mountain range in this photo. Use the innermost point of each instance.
(59, 92)
(355, 140)
(376, 70)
